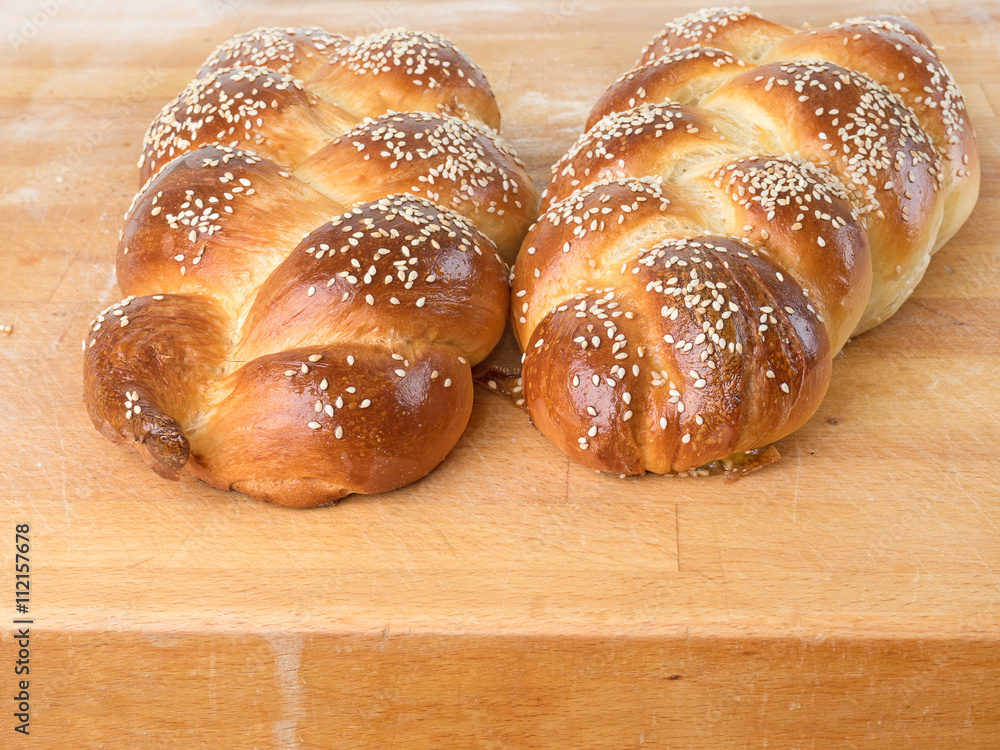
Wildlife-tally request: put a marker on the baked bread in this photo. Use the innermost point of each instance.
(318, 255)
(745, 199)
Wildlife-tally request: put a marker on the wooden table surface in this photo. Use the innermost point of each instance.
(846, 596)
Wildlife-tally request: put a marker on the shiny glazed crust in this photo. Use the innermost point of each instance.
(744, 200)
(312, 267)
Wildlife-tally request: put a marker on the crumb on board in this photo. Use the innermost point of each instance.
(7, 330)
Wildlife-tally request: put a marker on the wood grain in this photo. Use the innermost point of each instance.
(846, 596)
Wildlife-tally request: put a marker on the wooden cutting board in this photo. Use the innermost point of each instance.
(846, 596)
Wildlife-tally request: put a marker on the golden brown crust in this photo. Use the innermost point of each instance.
(736, 30)
(702, 349)
(413, 272)
(801, 218)
(360, 420)
(458, 164)
(255, 109)
(215, 221)
(232, 382)
(683, 76)
(251, 93)
(854, 127)
(132, 398)
(299, 52)
(744, 201)
(406, 71)
(582, 242)
(899, 56)
(262, 317)
(651, 139)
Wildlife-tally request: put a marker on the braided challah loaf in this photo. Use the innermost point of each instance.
(275, 351)
(745, 200)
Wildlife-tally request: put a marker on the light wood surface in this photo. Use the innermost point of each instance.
(846, 596)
